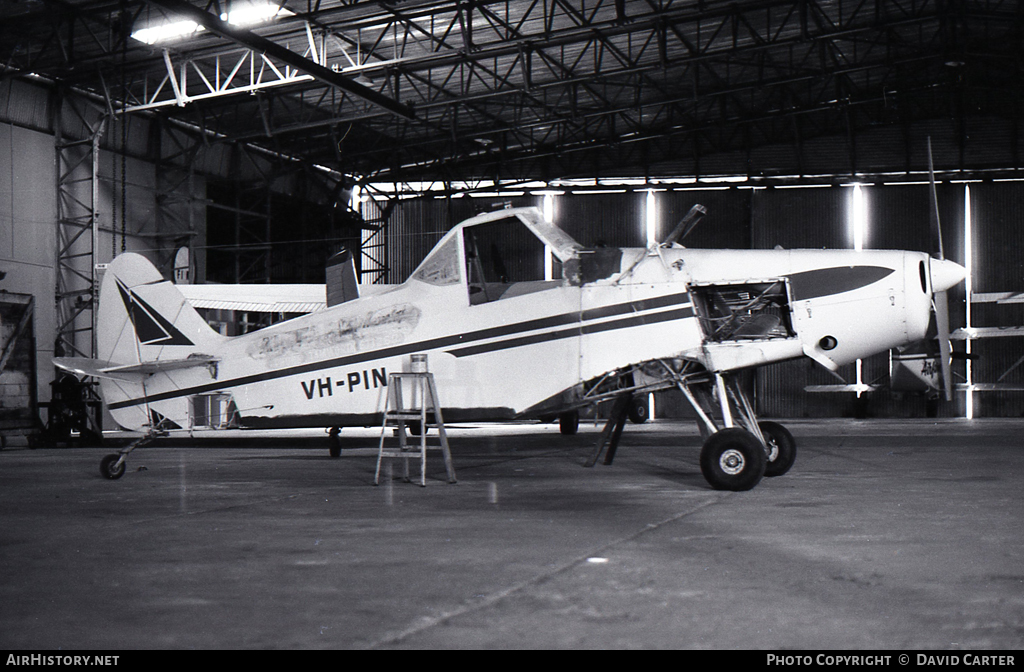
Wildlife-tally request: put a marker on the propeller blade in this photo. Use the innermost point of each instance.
(943, 275)
(934, 209)
(945, 348)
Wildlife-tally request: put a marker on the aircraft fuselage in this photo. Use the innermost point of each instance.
(499, 350)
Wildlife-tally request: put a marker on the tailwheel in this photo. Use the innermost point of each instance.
(733, 459)
(334, 442)
(781, 448)
(112, 467)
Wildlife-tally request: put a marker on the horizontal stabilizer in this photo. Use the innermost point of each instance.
(85, 366)
(102, 369)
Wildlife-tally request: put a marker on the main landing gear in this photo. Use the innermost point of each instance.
(738, 450)
(334, 442)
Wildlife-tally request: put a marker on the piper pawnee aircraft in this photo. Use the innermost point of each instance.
(504, 343)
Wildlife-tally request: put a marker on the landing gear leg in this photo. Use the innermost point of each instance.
(334, 442)
(738, 450)
(569, 422)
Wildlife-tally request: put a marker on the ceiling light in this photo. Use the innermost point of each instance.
(256, 12)
(246, 15)
(166, 31)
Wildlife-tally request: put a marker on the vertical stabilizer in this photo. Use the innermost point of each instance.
(145, 320)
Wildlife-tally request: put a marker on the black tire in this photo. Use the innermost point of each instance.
(334, 442)
(569, 422)
(732, 459)
(781, 448)
(638, 411)
(108, 470)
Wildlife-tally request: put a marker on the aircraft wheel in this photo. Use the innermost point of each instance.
(781, 448)
(732, 459)
(334, 442)
(107, 467)
(638, 411)
(569, 422)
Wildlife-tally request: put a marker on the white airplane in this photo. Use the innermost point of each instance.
(504, 343)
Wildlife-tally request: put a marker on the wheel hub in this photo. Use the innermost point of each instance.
(732, 462)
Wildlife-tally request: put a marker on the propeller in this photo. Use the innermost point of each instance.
(943, 275)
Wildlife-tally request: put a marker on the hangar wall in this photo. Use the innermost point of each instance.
(28, 204)
(43, 179)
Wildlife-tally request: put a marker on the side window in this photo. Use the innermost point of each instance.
(503, 259)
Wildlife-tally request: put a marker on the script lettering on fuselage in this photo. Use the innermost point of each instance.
(319, 337)
(352, 381)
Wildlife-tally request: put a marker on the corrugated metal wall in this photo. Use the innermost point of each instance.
(614, 219)
(996, 211)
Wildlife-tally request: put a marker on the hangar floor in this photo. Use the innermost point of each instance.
(886, 534)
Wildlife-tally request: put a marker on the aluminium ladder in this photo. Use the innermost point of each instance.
(424, 410)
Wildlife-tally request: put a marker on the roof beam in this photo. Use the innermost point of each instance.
(247, 38)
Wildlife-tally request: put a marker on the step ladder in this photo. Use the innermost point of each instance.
(424, 410)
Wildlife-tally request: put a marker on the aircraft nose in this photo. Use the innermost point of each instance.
(945, 274)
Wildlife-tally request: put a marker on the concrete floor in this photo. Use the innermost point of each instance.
(885, 535)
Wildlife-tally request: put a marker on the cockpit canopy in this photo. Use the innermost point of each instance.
(500, 254)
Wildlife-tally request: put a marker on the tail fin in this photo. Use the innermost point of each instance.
(144, 318)
(148, 338)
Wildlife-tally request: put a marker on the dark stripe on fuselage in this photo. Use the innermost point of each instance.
(639, 321)
(827, 281)
(442, 342)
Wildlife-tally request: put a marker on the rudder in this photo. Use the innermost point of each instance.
(143, 319)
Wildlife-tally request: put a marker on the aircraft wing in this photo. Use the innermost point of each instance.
(853, 387)
(266, 298)
(973, 333)
(257, 298)
(992, 387)
(997, 297)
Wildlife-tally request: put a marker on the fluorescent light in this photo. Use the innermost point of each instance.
(254, 13)
(858, 217)
(969, 287)
(858, 223)
(166, 31)
(651, 219)
(246, 15)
